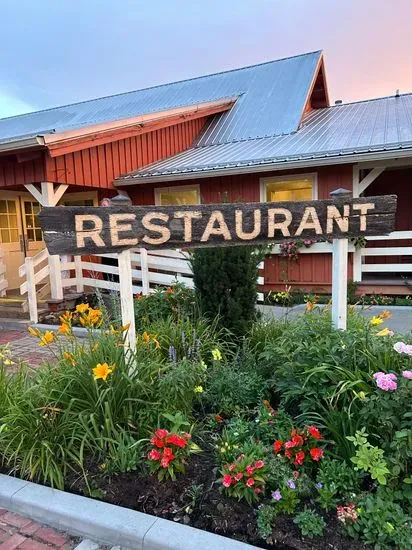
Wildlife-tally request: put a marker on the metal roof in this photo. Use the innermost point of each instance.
(376, 125)
(271, 98)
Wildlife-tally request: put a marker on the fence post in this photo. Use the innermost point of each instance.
(78, 273)
(144, 266)
(357, 266)
(339, 273)
(31, 290)
(126, 296)
(55, 274)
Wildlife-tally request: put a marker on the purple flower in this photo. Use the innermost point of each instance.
(401, 347)
(172, 354)
(386, 382)
(407, 374)
(276, 495)
(319, 485)
(291, 484)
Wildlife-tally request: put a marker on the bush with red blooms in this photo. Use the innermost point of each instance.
(169, 453)
(245, 478)
(302, 445)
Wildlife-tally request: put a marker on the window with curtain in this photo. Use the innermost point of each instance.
(296, 189)
(177, 196)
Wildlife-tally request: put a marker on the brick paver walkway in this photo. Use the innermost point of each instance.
(25, 347)
(21, 532)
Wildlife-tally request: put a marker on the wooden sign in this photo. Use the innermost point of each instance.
(82, 230)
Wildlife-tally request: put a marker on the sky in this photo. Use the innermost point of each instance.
(55, 52)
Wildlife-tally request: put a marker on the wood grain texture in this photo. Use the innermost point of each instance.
(91, 230)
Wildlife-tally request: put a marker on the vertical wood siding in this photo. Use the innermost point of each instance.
(98, 166)
(14, 173)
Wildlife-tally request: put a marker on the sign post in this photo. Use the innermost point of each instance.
(339, 273)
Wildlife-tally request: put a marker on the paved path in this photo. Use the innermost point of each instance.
(25, 347)
(400, 322)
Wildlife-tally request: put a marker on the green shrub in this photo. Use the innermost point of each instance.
(175, 302)
(267, 514)
(226, 284)
(310, 523)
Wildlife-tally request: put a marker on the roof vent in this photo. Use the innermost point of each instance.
(397, 94)
(338, 102)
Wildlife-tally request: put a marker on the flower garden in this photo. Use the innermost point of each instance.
(289, 434)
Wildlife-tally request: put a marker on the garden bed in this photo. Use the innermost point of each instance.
(286, 435)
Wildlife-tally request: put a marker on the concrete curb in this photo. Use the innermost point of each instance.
(7, 323)
(105, 523)
(80, 332)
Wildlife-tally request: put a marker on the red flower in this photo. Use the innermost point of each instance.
(174, 439)
(277, 446)
(168, 452)
(316, 453)
(249, 470)
(218, 418)
(288, 454)
(314, 432)
(297, 440)
(257, 490)
(157, 442)
(164, 463)
(259, 464)
(227, 480)
(161, 433)
(299, 458)
(238, 476)
(295, 474)
(154, 455)
(250, 482)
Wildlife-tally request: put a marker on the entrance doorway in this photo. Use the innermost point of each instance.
(20, 233)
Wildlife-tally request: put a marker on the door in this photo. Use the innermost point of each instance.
(20, 233)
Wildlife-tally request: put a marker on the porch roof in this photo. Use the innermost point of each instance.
(332, 135)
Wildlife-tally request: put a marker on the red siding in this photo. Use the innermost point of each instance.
(98, 166)
(310, 271)
(14, 173)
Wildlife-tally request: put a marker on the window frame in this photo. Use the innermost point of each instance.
(159, 190)
(270, 179)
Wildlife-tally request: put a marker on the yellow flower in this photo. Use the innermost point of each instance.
(64, 328)
(203, 365)
(124, 328)
(310, 306)
(95, 347)
(146, 337)
(66, 318)
(217, 356)
(102, 370)
(384, 332)
(69, 357)
(34, 331)
(362, 395)
(375, 321)
(47, 338)
(82, 308)
(198, 389)
(385, 314)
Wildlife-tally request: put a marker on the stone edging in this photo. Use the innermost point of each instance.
(106, 523)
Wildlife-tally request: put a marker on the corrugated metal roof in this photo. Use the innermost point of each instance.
(355, 128)
(272, 96)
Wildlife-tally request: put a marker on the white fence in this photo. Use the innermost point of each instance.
(147, 272)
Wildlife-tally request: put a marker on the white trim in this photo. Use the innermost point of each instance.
(159, 190)
(370, 178)
(289, 177)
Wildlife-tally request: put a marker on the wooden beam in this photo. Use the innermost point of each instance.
(370, 178)
(32, 189)
(59, 192)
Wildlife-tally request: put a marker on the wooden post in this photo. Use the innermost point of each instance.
(126, 296)
(144, 267)
(78, 273)
(339, 274)
(31, 290)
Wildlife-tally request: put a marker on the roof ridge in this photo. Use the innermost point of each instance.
(161, 85)
(364, 101)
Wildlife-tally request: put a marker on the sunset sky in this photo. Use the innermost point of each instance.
(60, 51)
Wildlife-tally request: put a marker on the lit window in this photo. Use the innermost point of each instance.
(177, 196)
(8, 222)
(31, 209)
(288, 189)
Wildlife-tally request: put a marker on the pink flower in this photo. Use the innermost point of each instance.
(386, 382)
(154, 455)
(238, 476)
(161, 433)
(250, 470)
(250, 482)
(257, 490)
(227, 480)
(401, 347)
(407, 374)
(259, 464)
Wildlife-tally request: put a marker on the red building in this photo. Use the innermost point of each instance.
(265, 132)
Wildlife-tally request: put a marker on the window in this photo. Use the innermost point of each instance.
(289, 188)
(177, 196)
(9, 229)
(31, 209)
